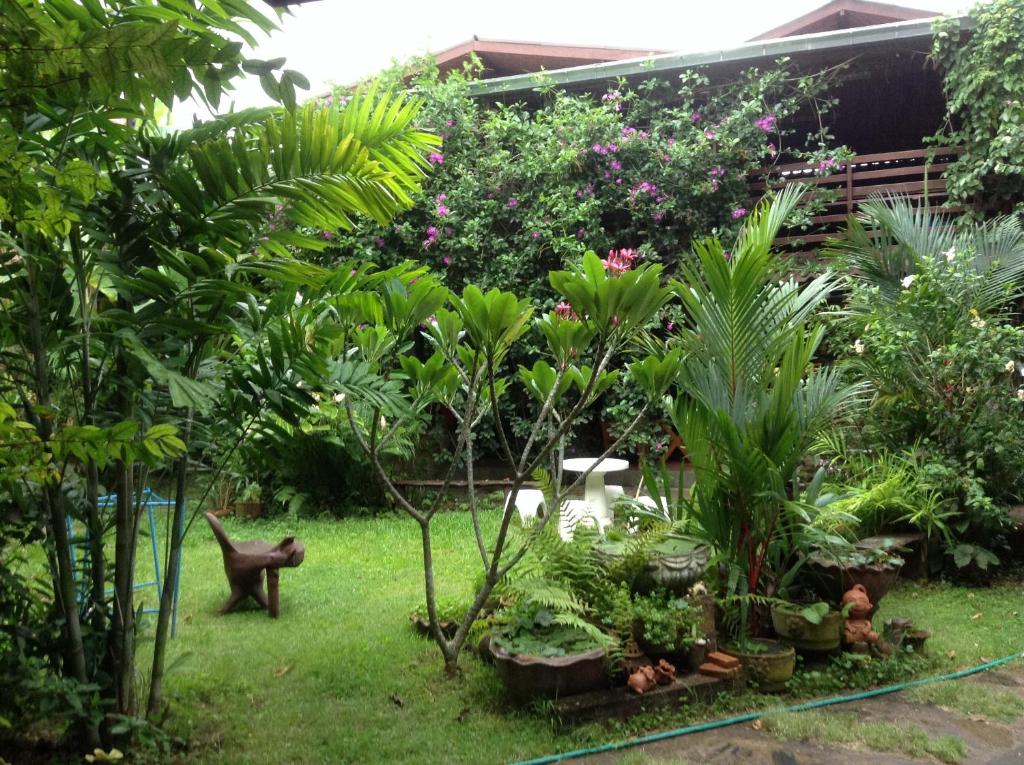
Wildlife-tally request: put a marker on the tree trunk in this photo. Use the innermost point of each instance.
(64, 585)
(122, 644)
(171, 571)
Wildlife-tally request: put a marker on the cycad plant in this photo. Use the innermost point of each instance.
(751, 399)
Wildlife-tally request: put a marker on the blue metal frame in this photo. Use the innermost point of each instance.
(150, 499)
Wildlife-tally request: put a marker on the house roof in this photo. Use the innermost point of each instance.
(843, 42)
(845, 14)
(502, 58)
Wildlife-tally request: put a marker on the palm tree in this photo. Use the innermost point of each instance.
(751, 399)
(890, 238)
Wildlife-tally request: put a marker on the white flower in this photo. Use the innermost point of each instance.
(908, 280)
(969, 389)
(950, 254)
(858, 346)
(315, 396)
(339, 397)
(978, 323)
(1010, 366)
(1020, 394)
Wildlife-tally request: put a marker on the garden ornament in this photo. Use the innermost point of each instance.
(643, 680)
(857, 628)
(664, 673)
(245, 562)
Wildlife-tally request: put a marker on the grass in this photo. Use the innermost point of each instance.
(342, 678)
(842, 728)
(971, 699)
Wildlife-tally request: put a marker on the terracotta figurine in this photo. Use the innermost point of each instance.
(642, 680)
(858, 626)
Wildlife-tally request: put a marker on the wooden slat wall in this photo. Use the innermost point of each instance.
(917, 174)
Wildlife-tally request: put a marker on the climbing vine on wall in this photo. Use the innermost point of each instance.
(984, 84)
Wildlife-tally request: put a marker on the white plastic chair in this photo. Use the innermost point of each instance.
(529, 503)
(575, 512)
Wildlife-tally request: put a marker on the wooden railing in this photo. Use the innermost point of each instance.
(917, 174)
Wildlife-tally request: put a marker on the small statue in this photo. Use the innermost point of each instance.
(642, 680)
(664, 673)
(857, 628)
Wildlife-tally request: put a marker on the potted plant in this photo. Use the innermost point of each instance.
(449, 615)
(666, 626)
(675, 559)
(834, 572)
(815, 627)
(249, 500)
(538, 657)
(749, 405)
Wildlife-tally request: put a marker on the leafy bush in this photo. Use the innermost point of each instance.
(520, 190)
(925, 324)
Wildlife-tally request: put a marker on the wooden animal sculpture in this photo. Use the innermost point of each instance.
(857, 628)
(246, 562)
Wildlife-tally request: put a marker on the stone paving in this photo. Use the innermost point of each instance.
(987, 742)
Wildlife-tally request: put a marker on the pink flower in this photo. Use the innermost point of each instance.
(620, 261)
(709, 134)
(446, 260)
(670, 325)
(327, 236)
(564, 311)
(766, 123)
(658, 216)
(442, 211)
(695, 117)
(449, 123)
(435, 159)
(615, 164)
(727, 255)
(379, 241)
(739, 212)
(512, 203)
(440, 198)
(535, 235)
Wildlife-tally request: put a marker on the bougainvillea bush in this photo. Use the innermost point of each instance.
(519, 190)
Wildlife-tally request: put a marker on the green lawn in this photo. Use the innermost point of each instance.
(341, 677)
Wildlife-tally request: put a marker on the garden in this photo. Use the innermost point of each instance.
(561, 447)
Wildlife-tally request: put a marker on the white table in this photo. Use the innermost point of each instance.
(594, 492)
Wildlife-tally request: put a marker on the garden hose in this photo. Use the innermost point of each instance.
(749, 716)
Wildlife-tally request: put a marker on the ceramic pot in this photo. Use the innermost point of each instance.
(532, 677)
(831, 578)
(805, 635)
(771, 668)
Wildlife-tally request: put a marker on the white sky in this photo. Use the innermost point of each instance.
(342, 41)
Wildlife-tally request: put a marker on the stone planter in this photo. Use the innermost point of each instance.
(252, 509)
(532, 677)
(676, 565)
(771, 668)
(805, 635)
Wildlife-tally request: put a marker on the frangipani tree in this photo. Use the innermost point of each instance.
(470, 336)
(751, 399)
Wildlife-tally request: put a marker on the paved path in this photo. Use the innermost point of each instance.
(987, 742)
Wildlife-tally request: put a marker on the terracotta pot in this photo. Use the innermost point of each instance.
(805, 635)
(249, 509)
(830, 578)
(772, 668)
(531, 677)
